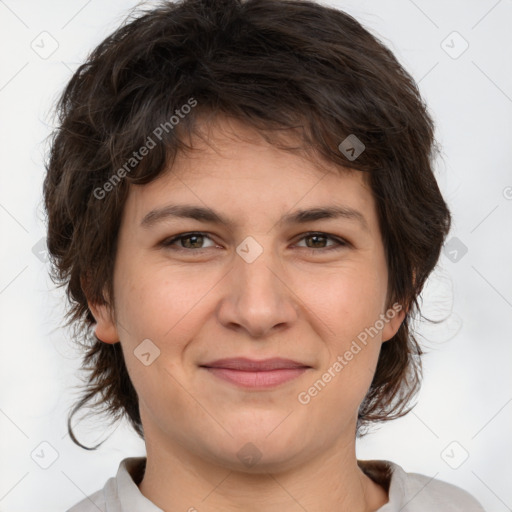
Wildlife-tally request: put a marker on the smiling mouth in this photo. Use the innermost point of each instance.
(255, 378)
(249, 373)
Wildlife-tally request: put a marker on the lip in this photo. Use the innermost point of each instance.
(253, 365)
(251, 373)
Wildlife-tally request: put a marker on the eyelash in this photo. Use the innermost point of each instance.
(168, 242)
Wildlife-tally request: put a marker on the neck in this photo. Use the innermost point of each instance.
(177, 480)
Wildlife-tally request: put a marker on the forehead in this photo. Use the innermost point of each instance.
(232, 167)
(224, 137)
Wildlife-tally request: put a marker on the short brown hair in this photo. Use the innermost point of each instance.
(278, 66)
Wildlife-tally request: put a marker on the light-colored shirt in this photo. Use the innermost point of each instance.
(408, 492)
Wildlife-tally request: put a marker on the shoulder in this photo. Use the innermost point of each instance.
(423, 493)
(414, 492)
(98, 501)
(120, 493)
(94, 503)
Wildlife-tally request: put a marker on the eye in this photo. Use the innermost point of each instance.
(188, 241)
(194, 242)
(319, 239)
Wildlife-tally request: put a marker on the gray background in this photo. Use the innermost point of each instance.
(460, 430)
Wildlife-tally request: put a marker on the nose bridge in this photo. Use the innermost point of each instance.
(254, 267)
(258, 297)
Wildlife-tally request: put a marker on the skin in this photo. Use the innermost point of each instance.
(296, 301)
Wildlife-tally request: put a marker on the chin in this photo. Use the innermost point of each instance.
(259, 450)
(253, 459)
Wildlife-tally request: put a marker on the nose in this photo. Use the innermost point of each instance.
(258, 298)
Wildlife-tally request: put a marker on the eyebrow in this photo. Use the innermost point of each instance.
(205, 214)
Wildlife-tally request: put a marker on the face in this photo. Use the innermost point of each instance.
(264, 283)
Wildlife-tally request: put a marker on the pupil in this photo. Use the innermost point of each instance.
(192, 237)
(317, 237)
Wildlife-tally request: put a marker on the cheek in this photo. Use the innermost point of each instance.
(155, 301)
(349, 305)
(352, 352)
(348, 301)
(167, 308)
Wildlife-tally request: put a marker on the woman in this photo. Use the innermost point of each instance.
(241, 203)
